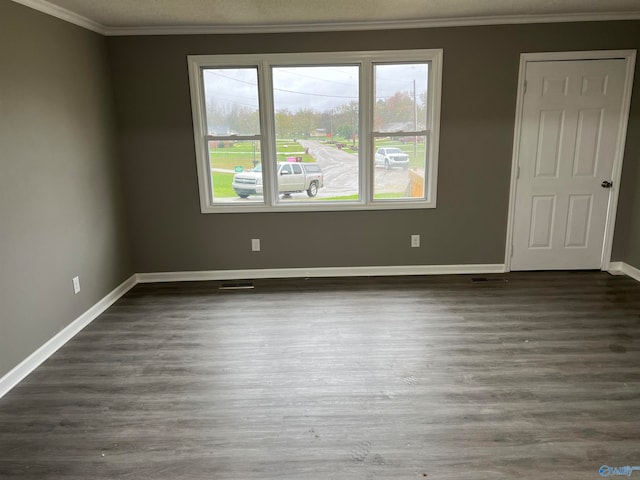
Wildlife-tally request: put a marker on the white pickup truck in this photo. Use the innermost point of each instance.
(292, 178)
(392, 157)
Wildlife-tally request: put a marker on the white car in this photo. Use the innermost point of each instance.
(392, 157)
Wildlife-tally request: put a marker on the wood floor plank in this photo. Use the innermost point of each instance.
(524, 375)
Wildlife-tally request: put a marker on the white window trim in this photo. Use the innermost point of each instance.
(365, 60)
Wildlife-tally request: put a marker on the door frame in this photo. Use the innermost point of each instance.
(630, 57)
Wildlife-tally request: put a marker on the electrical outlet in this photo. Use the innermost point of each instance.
(415, 241)
(255, 244)
(76, 285)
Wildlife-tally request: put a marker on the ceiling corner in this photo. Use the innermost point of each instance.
(63, 14)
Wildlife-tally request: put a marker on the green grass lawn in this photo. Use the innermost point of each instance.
(222, 185)
(241, 154)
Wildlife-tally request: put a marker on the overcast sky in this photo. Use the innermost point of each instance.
(319, 88)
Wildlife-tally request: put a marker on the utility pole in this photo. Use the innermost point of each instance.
(415, 121)
(255, 162)
(331, 125)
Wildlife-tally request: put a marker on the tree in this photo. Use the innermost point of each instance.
(244, 120)
(397, 109)
(345, 130)
(306, 121)
(346, 119)
(223, 119)
(285, 125)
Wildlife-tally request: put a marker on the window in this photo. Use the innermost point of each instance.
(317, 131)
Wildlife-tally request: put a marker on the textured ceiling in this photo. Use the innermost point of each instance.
(260, 13)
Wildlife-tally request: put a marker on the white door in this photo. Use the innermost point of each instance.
(568, 140)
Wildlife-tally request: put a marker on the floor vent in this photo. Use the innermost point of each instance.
(487, 279)
(237, 286)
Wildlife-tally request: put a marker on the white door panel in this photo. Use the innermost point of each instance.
(578, 221)
(543, 209)
(570, 122)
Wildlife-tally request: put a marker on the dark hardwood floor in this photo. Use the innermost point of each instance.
(520, 376)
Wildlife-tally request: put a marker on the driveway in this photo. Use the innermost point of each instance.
(341, 172)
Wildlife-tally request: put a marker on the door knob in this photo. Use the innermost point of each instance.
(606, 184)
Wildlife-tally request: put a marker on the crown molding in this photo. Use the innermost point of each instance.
(63, 14)
(383, 25)
(71, 17)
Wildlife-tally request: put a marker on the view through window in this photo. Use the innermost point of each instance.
(233, 132)
(331, 134)
(316, 108)
(400, 130)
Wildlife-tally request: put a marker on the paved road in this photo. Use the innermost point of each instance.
(341, 171)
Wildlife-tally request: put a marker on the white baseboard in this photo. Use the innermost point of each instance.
(615, 268)
(33, 361)
(621, 268)
(24, 368)
(202, 275)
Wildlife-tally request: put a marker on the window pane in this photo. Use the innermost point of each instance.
(400, 167)
(236, 172)
(231, 101)
(401, 97)
(316, 121)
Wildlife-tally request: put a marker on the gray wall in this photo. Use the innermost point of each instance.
(67, 185)
(168, 232)
(61, 208)
(632, 256)
(632, 251)
(628, 223)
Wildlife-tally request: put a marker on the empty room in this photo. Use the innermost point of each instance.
(319, 240)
